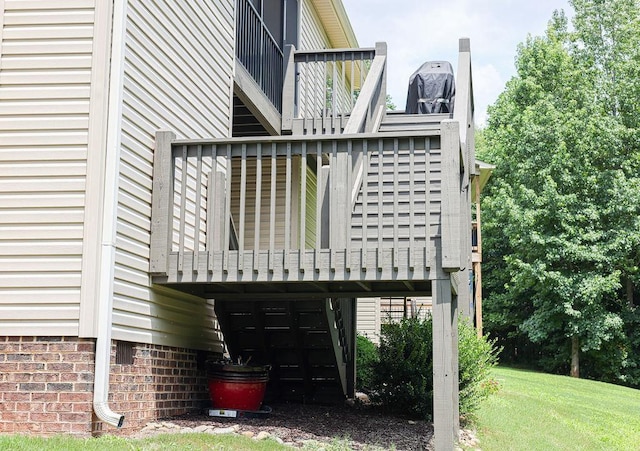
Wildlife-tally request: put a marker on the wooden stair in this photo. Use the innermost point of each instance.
(307, 343)
(397, 121)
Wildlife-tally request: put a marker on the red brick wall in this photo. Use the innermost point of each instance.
(162, 382)
(46, 385)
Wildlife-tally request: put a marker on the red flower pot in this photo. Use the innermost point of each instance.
(237, 387)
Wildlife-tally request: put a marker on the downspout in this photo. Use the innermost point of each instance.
(109, 223)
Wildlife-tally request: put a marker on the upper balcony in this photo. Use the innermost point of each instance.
(350, 202)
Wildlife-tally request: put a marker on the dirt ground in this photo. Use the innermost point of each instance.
(296, 423)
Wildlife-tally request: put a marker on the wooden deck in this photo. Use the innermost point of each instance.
(353, 203)
(244, 223)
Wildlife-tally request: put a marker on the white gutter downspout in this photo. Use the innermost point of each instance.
(109, 223)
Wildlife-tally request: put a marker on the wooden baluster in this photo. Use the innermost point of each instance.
(272, 210)
(183, 210)
(365, 204)
(412, 203)
(303, 207)
(227, 212)
(243, 203)
(380, 203)
(198, 211)
(257, 217)
(287, 210)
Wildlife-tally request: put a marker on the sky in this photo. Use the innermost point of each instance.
(428, 30)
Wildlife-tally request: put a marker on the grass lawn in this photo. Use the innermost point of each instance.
(193, 442)
(536, 411)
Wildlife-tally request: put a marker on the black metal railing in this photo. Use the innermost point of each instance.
(259, 52)
(475, 245)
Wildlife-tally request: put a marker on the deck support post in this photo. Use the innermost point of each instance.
(446, 421)
(452, 270)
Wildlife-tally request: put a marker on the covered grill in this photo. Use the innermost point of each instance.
(432, 89)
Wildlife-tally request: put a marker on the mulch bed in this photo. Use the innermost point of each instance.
(295, 423)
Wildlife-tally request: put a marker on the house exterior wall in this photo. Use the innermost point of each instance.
(178, 69)
(54, 72)
(51, 79)
(176, 74)
(312, 35)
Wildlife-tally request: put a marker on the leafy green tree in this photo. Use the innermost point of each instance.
(561, 222)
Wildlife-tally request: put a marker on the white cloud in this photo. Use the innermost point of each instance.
(487, 85)
(425, 30)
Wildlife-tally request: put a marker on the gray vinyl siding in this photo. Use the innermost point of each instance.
(179, 58)
(368, 318)
(312, 35)
(265, 196)
(280, 203)
(45, 85)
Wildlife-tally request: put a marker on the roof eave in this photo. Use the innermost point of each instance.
(485, 170)
(336, 23)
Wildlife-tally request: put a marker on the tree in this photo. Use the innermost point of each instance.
(561, 221)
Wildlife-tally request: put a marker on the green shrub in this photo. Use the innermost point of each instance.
(476, 357)
(366, 358)
(403, 377)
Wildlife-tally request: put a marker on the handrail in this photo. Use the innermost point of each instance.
(323, 84)
(208, 192)
(333, 94)
(368, 110)
(372, 95)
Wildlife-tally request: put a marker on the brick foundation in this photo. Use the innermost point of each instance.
(46, 385)
(162, 382)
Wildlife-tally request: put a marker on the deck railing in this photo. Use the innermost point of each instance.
(323, 89)
(288, 200)
(259, 52)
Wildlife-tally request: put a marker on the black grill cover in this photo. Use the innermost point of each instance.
(432, 89)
